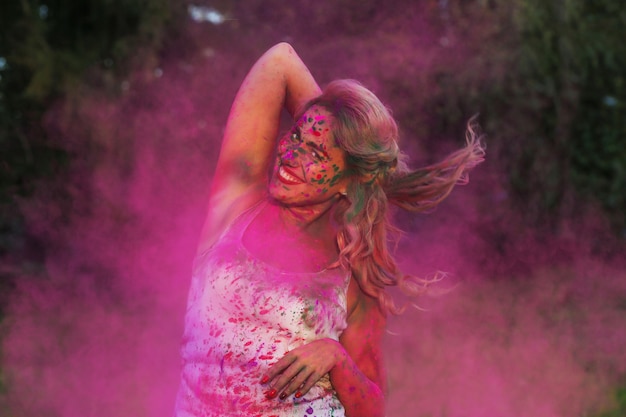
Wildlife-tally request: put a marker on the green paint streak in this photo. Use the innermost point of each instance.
(334, 179)
(357, 205)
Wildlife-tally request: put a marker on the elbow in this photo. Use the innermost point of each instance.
(374, 406)
(284, 45)
(370, 412)
(280, 55)
(282, 49)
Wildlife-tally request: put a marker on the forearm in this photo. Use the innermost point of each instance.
(360, 396)
(300, 86)
(278, 79)
(297, 82)
(356, 385)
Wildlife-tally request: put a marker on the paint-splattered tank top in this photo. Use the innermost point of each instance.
(242, 316)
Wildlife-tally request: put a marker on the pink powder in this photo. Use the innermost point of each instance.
(532, 328)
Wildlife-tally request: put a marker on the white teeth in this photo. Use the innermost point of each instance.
(287, 176)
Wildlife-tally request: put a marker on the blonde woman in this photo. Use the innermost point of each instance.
(287, 304)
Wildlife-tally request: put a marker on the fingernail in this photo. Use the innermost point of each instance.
(298, 394)
(265, 379)
(271, 393)
(282, 396)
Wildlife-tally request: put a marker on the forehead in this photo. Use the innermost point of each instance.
(319, 112)
(317, 122)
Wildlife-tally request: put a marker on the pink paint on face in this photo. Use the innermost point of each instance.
(310, 167)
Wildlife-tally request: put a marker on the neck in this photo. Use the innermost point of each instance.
(311, 219)
(300, 239)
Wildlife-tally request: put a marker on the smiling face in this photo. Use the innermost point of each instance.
(310, 167)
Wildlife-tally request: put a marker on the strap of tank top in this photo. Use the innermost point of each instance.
(244, 219)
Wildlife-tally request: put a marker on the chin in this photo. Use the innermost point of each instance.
(284, 200)
(276, 193)
(294, 198)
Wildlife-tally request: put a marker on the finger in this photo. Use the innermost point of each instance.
(295, 383)
(283, 380)
(277, 368)
(308, 384)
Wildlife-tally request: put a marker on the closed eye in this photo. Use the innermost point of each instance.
(316, 151)
(295, 135)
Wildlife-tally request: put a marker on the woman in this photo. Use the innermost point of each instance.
(287, 304)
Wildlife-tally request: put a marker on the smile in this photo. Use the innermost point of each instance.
(288, 177)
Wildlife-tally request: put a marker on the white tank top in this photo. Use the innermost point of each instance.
(242, 316)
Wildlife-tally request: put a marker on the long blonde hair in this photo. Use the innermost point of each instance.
(365, 129)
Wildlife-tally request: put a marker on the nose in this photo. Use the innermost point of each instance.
(289, 158)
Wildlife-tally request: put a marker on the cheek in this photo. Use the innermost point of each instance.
(282, 145)
(317, 174)
(336, 178)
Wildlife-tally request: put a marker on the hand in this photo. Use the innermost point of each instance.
(301, 368)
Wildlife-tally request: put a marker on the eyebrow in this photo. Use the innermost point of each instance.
(317, 147)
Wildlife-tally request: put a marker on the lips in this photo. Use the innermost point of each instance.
(288, 177)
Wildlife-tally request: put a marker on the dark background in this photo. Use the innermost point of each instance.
(111, 116)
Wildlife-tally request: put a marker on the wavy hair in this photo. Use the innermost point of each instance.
(365, 129)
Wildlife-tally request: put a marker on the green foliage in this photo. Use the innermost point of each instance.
(549, 81)
(48, 49)
(619, 406)
(573, 57)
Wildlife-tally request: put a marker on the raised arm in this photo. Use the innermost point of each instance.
(278, 79)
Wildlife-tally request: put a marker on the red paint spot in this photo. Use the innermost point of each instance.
(264, 311)
(232, 320)
(228, 355)
(248, 343)
(316, 133)
(266, 357)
